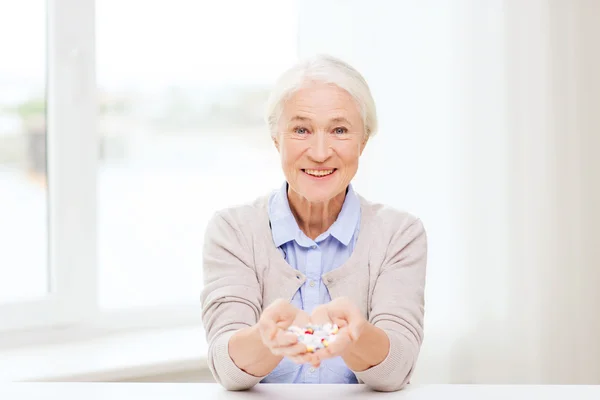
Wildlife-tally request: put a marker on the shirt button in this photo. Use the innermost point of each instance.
(314, 247)
(312, 283)
(311, 370)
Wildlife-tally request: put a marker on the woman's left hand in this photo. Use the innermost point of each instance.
(351, 322)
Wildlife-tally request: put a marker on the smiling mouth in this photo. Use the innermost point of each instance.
(319, 173)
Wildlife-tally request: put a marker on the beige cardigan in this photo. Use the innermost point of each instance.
(385, 277)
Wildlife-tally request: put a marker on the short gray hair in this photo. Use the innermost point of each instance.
(324, 69)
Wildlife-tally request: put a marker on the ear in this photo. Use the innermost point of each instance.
(363, 144)
(276, 142)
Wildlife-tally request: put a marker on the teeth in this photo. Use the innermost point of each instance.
(319, 172)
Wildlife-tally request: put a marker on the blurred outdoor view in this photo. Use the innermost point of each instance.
(181, 120)
(181, 90)
(23, 194)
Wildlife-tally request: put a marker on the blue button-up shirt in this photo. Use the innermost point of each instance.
(313, 258)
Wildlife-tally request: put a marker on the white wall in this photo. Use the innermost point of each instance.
(488, 133)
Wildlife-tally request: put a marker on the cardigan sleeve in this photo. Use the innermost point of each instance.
(398, 308)
(231, 299)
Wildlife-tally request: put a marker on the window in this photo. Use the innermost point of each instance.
(48, 111)
(182, 134)
(23, 194)
(154, 121)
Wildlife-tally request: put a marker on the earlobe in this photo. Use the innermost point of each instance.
(275, 142)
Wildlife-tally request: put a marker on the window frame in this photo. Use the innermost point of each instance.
(70, 310)
(71, 195)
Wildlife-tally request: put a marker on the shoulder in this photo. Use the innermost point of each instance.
(384, 215)
(390, 221)
(241, 218)
(396, 235)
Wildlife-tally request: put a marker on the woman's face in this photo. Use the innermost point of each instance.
(320, 138)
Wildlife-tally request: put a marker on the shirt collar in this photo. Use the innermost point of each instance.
(285, 228)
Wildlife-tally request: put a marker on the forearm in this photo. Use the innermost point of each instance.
(371, 348)
(248, 352)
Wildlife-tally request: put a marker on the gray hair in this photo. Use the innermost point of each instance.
(323, 69)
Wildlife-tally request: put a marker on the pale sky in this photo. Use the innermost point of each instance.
(151, 43)
(22, 39)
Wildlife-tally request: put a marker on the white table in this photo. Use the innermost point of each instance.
(201, 391)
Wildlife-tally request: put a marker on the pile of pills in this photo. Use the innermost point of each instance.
(315, 337)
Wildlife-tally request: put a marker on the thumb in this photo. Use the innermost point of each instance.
(268, 328)
(351, 330)
(356, 325)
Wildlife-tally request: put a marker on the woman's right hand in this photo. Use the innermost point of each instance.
(273, 325)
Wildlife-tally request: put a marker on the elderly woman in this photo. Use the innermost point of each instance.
(315, 252)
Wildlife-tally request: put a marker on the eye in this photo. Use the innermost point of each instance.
(300, 130)
(340, 130)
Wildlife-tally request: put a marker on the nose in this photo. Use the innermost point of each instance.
(320, 149)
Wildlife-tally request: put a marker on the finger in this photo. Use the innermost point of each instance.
(278, 316)
(302, 319)
(317, 363)
(320, 315)
(282, 339)
(313, 360)
(340, 322)
(297, 349)
(281, 312)
(268, 329)
(324, 354)
(284, 322)
(337, 347)
(355, 328)
(307, 358)
(356, 322)
(342, 307)
(350, 317)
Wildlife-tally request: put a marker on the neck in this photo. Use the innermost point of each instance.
(315, 218)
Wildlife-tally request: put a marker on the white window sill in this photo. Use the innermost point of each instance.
(112, 358)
